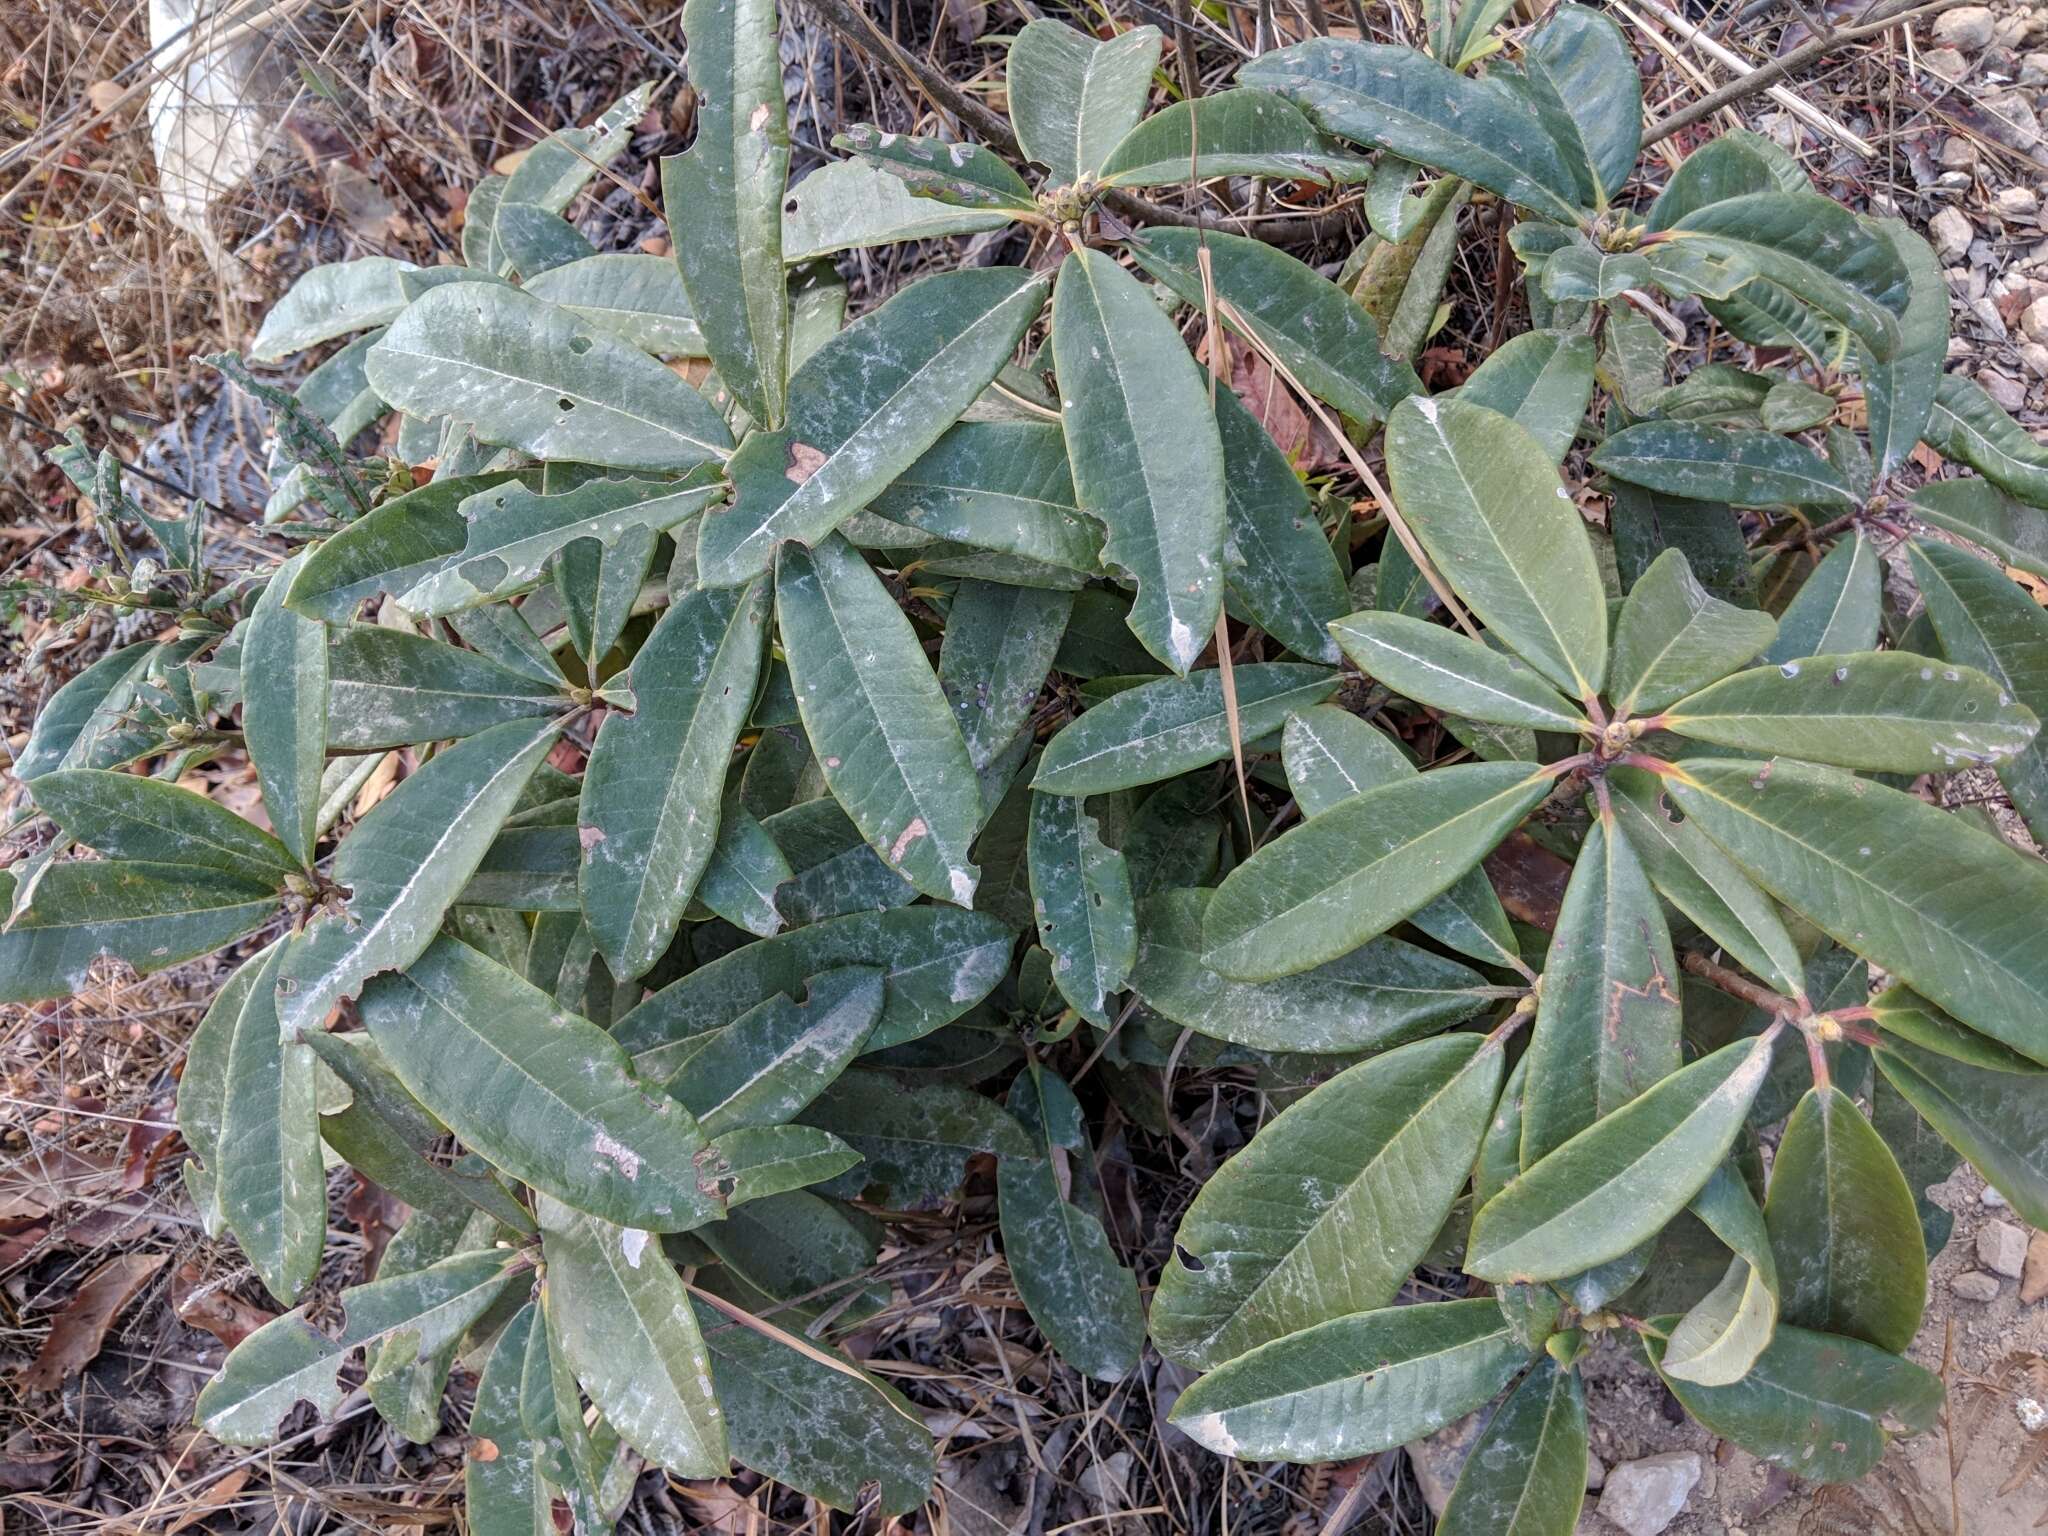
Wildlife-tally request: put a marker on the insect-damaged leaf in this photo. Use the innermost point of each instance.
(1271, 1244)
(503, 1494)
(1940, 905)
(877, 719)
(1354, 1385)
(724, 199)
(862, 410)
(1843, 1227)
(546, 1096)
(537, 378)
(1486, 503)
(1080, 1297)
(624, 1321)
(404, 864)
(1892, 712)
(649, 815)
(1327, 886)
(1081, 893)
(1160, 730)
(1378, 995)
(775, 1058)
(1146, 458)
(1621, 1179)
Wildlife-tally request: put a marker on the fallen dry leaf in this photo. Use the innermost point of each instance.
(210, 1498)
(200, 1304)
(1530, 879)
(81, 1328)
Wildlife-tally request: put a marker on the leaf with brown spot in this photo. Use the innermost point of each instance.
(81, 1328)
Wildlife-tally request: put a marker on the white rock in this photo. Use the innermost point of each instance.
(1952, 233)
(1992, 1198)
(1967, 26)
(2035, 356)
(1596, 1472)
(2002, 1248)
(1945, 62)
(2009, 392)
(2034, 69)
(1958, 153)
(1975, 1285)
(2034, 319)
(1643, 1497)
(2017, 202)
(2013, 120)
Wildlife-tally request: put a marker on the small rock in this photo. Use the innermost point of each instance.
(1952, 233)
(1107, 1483)
(1945, 62)
(2034, 1278)
(1975, 1285)
(2010, 394)
(1992, 1198)
(2035, 356)
(1596, 1473)
(1643, 1497)
(1439, 1459)
(1967, 26)
(2017, 202)
(2034, 319)
(2002, 1248)
(1958, 153)
(2012, 120)
(2034, 69)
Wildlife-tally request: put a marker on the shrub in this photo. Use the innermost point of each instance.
(762, 956)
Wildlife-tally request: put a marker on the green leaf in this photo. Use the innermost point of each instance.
(999, 485)
(532, 376)
(724, 199)
(1791, 406)
(404, 864)
(1272, 1244)
(1618, 1182)
(503, 1494)
(801, 1250)
(625, 1323)
(1691, 872)
(1326, 340)
(204, 1084)
(1844, 1228)
(1837, 610)
(850, 204)
(389, 688)
(392, 549)
(544, 1095)
(1400, 101)
(1449, 671)
(940, 962)
(875, 715)
(1330, 756)
(1814, 1404)
(1160, 730)
(1581, 72)
(1077, 1293)
(266, 1168)
(1924, 1156)
(329, 301)
(1354, 1385)
(552, 172)
(1747, 469)
(1073, 99)
(1278, 561)
(1146, 458)
(1543, 380)
(1967, 425)
(1377, 995)
(638, 298)
(1719, 1339)
(811, 1420)
(156, 822)
(1892, 712)
(1526, 1476)
(649, 815)
(1815, 250)
(1981, 513)
(936, 170)
(756, 1162)
(1607, 1018)
(512, 532)
(862, 410)
(745, 871)
(998, 649)
(1733, 164)
(1232, 133)
(1922, 894)
(287, 1360)
(1327, 886)
(1486, 503)
(1987, 622)
(1995, 1119)
(532, 240)
(284, 711)
(916, 1139)
(71, 728)
(1674, 637)
(774, 1059)
(150, 915)
(1081, 892)
(832, 869)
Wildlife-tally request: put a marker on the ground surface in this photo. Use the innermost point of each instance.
(383, 114)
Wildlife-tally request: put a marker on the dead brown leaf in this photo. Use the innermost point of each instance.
(201, 1305)
(81, 1328)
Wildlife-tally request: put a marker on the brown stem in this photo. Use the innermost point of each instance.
(1737, 985)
